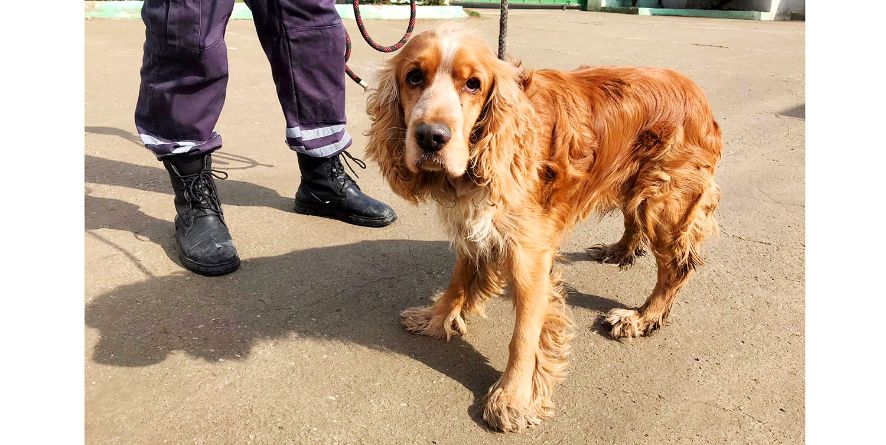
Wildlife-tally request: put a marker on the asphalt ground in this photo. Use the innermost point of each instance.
(303, 343)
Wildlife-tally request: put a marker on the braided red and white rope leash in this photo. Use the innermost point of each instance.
(376, 46)
(502, 35)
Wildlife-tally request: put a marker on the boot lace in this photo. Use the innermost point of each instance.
(200, 193)
(338, 171)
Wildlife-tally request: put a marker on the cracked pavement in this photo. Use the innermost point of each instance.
(303, 343)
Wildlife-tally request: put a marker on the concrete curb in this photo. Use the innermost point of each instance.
(705, 13)
(128, 10)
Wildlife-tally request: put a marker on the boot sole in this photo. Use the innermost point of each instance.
(308, 209)
(209, 271)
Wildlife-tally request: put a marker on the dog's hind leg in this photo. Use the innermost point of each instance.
(626, 250)
(652, 315)
(677, 226)
(471, 284)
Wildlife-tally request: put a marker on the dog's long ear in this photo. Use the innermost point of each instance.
(503, 139)
(387, 133)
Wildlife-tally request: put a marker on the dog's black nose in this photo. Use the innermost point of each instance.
(432, 137)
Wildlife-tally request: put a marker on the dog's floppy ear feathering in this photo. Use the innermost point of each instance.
(503, 139)
(387, 132)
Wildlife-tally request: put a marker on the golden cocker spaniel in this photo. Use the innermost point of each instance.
(513, 159)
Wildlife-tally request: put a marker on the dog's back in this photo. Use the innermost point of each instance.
(611, 130)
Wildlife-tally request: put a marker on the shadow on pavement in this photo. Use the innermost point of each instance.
(798, 112)
(156, 179)
(108, 213)
(351, 293)
(596, 303)
(112, 131)
(220, 159)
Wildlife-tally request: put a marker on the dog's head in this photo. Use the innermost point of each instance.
(438, 109)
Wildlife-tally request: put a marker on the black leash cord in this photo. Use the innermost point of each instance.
(503, 29)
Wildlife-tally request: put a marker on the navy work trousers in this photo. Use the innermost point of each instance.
(185, 73)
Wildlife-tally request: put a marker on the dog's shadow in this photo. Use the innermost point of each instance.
(351, 293)
(596, 303)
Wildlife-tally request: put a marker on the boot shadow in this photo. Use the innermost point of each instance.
(107, 213)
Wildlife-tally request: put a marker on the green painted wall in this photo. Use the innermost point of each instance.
(528, 2)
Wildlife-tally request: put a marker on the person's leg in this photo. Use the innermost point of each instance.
(305, 44)
(183, 76)
(183, 79)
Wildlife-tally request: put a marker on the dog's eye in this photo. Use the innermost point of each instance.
(415, 77)
(473, 84)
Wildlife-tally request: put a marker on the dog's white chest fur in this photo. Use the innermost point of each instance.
(471, 228)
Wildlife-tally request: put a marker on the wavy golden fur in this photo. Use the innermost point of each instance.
(516, 159)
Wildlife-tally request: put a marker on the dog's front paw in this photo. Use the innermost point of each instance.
(615, 254)
(630, 323)
(505, 412)
(423, 321)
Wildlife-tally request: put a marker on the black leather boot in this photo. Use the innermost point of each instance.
(326, 190)
(204, 243)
